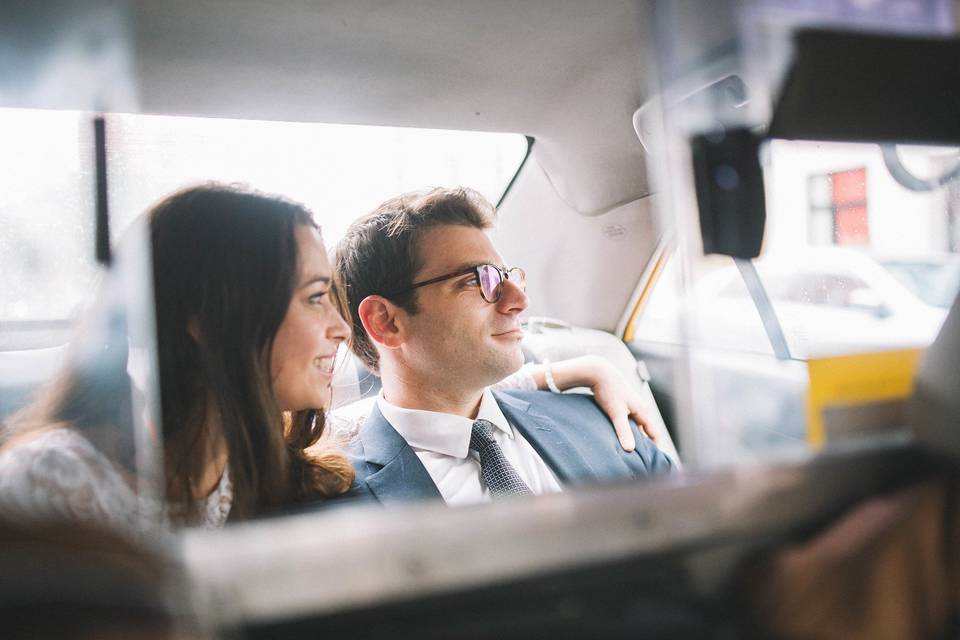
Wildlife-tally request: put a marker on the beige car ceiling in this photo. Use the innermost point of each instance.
(569, 73)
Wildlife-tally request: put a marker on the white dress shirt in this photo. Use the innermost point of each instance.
(442, 443)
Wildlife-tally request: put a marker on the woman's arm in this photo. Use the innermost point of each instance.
(523, 379)
(60, 475)
(609, 388)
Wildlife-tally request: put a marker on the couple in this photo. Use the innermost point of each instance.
(437, 315)
(248, 322)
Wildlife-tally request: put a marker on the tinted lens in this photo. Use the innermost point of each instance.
(489, 282)
(518, 277)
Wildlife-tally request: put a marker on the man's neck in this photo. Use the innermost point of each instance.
(409, 392)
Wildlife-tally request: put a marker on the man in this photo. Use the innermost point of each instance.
(437, 316)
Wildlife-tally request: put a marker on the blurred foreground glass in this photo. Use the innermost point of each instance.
(834, 216)
(87, 445)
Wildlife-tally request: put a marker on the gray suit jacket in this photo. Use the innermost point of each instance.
(571, 434)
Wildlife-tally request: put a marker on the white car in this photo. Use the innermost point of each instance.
(828, 301)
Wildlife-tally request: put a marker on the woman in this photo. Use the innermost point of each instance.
(247, 331)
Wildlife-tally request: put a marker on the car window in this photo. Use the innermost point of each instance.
(834, 211)
(701, 314)
(835, 215)
(339, 171)
(831, 288)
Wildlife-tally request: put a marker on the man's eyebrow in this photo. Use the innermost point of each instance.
(314, 280)
(463, 270)
(466, 266)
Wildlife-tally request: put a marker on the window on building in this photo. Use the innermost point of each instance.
(838, 208)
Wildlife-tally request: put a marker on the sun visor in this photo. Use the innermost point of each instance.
(593, 180)
(599, 167)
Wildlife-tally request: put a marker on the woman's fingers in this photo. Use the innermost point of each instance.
(617, 410)
(642, 418)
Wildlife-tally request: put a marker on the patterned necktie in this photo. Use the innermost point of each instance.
(498, 474)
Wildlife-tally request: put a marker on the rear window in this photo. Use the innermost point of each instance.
(339, 171)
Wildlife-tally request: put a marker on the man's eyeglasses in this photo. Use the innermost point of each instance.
(490, 280)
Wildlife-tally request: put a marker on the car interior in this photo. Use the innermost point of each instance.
(621, 209)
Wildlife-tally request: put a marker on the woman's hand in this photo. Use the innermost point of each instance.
(610, 390)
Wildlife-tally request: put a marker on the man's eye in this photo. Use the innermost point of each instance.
(470, 282)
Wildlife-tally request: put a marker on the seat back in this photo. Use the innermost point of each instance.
(553, 340)
(23, 373)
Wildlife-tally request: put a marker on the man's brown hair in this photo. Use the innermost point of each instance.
(380, 254)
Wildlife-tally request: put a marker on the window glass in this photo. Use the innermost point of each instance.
(852, 263)
(699, 314)
(339, 171)
(710, 327)
(840, 232)
(46, 214)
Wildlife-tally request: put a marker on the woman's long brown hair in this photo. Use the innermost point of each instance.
(225, 269)
(225, 266)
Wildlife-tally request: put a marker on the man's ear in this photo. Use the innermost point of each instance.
(379, 319)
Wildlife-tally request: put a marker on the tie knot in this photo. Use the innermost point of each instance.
(481, 435)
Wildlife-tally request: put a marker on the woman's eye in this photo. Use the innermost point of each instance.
(317, 298)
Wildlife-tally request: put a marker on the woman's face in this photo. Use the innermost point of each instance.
(305, 347)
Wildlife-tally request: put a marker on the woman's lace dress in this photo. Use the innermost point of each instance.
(60, 474)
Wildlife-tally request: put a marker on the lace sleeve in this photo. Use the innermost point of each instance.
(59, 474)
(521, 380)
(344, 427)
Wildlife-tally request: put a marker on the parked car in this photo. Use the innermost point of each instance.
(828, 300)
(935, 279)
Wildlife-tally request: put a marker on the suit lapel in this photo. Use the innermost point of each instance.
(553, 445)
(402, 476)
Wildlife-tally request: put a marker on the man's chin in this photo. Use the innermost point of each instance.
(509, 364)
(487, 367)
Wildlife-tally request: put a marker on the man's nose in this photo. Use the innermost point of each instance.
(513, 299)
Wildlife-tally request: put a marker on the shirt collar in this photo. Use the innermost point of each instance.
(442, 433)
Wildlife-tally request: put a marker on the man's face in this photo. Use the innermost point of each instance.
(456, 337)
